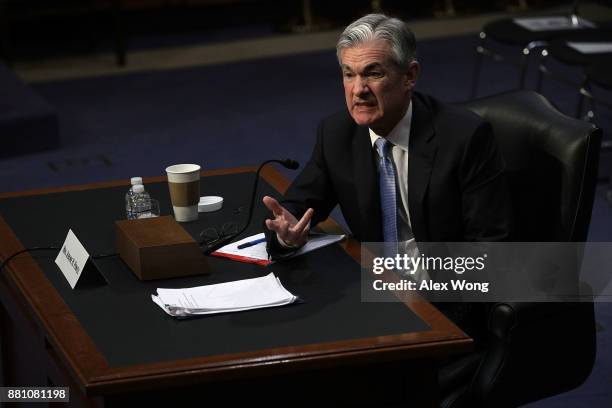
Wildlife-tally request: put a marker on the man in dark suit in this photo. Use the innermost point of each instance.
(402, 166)
(455, 190)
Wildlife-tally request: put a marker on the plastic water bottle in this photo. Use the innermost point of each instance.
(128, 197)
(141, 202)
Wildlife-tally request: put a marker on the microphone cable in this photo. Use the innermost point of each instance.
(287, 163)
(48, 248)
(7, 260)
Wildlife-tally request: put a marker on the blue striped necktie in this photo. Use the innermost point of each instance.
(386, 175)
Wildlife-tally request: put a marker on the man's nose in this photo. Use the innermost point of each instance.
(361, 86)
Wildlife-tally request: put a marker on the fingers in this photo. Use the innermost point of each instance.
(273, 206)
(279, 225)
(271, 225)
(278, 210)
(304, 221)
(291, 231)
(297, 235)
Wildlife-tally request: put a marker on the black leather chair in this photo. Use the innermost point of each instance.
(534, 350)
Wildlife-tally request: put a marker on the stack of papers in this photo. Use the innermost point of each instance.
(236, 296)
(258, 254)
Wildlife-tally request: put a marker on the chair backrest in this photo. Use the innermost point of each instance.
(551, 164)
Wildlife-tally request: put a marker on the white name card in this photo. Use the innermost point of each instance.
(72, 259)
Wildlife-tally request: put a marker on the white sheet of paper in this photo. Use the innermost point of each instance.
(72, 259)
(266, 291)
(258, 251)
(552, 23)
(591, 47)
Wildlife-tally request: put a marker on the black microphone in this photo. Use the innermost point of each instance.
(288, 163)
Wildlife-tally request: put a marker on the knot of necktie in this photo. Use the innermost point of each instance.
(383, 147)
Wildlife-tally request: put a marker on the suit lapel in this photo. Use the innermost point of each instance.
(421, 155)
(366, 182)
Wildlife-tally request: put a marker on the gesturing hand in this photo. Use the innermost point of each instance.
(288, 229)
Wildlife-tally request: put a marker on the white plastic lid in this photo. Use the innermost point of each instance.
(210, 203)
(138, 188)
(136, 180)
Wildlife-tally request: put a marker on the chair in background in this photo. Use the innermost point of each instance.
(597, 73)
(563, 50)
(535, 350)
(507, 32)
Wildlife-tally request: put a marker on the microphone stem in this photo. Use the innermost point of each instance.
(225, 241)
(253, 194)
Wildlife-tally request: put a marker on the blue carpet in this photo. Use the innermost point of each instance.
(143, 122)
(240, 114)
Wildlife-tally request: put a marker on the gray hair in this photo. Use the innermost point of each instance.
(380, 27)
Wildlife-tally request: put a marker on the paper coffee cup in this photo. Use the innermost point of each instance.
(184, 185)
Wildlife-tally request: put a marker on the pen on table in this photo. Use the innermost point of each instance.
(251, 243)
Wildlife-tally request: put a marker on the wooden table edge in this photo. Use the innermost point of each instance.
(117, 381)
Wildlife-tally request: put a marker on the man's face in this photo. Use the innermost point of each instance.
(377, 92)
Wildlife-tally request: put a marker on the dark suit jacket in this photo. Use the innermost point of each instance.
(456, 190)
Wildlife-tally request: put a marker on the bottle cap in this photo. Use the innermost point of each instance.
(138, 188)
(210, 203)
(136, 180)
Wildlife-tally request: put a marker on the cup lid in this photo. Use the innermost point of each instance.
(210, 203)
(182, 168)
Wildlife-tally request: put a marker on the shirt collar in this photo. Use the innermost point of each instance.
(400, 134)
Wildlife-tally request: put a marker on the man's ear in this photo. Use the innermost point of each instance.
(412, 74)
